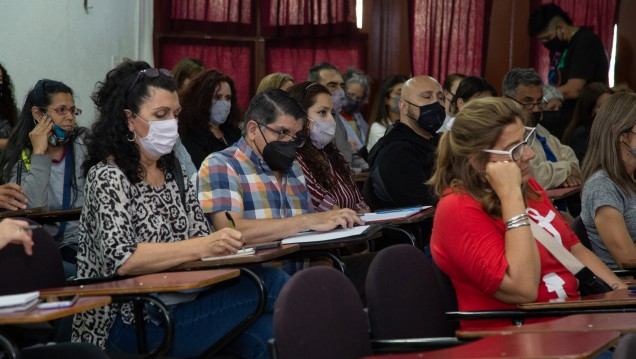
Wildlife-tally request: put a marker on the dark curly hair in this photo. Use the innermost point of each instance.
(305, 93)
(196, 99)
(41, 95)
(8, 108)
(123, 88)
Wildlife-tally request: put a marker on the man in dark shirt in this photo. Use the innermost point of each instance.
(577, 57)
(403, 160)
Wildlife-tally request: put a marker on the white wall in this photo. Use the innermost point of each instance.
(57, 39)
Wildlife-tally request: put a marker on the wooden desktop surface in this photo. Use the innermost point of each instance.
(558, 193)
(615, 298)
(20, 212)
(150, 283)
(360, 177)
(55, 216)
(594, 322)
(631, 264)
(525, 345)
(35, 315)
(260, 256)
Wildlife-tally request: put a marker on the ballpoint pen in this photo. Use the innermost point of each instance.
(230, 219)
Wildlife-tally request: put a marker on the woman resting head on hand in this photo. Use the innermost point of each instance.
(481, 233)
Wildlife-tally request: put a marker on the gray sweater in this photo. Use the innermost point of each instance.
(43, 184)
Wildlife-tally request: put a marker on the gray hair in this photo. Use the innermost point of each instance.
(519, 76)
(353, 75)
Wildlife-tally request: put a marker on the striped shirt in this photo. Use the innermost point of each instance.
(238, 180)
(343, 195)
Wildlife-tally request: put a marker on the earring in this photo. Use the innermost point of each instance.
(134, 135)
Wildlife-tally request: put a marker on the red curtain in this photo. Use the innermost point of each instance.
(231, 17)
(447, 36)
(294, 18)
(296, 56)
(232, 58)
(598, 15)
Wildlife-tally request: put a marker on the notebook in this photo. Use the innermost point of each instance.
(243, 252)
(392, 214)
(18, 302)
(311, 237)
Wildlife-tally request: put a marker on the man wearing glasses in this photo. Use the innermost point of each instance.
(555, 165)
(257, 180)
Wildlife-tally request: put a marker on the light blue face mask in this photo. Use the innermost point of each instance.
(396, 104)
(219, 110)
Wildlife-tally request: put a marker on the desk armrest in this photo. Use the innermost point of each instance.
(82, 281)
(413, 344)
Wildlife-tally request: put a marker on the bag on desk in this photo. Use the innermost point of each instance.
(589, 283)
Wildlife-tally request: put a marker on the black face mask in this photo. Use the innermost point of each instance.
(431, 117)
(551, 117)
(350, 106)
(556, 45)
(278, 155)
(537, 116)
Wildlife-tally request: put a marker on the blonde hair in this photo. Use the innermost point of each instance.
(477, 127)
(273, 81)
(616, 117)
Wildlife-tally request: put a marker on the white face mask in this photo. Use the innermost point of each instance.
(219, 111)
(322, 132)
(161, 138)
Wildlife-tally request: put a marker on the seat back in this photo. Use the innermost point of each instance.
(22, 273)
(318, 314)
(626, 347)
(403, 296)
(447, 289)
(579, 229)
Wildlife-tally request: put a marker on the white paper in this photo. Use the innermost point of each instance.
(17, 302)
(308, 237)
(392, 214)
(243, 252)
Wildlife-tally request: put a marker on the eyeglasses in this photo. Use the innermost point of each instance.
(63, 110)
(529, 105)
(149, 73)
(519, 149)
(283, 135)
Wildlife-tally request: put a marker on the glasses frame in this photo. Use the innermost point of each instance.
(529, 105)
(74, 110)
(298, 141)
(529, 140)
(150, 73)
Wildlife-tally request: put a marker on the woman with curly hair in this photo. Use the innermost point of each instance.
(8, 109)
(140, 216)
(327, 173)
(209, 115)
(45, 158)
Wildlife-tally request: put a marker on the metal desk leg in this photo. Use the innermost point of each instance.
(10, 348)
(251, 318)
(168, 323)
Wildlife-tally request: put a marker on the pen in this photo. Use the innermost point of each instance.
(18, 178)
(31, 227)
(230, 219)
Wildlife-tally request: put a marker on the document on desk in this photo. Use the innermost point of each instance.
(18, 302)
(310, 237)
(243, 252)
(392, 214)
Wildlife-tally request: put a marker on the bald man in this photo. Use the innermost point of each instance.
(404, 158)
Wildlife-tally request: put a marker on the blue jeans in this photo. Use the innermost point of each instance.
(201, 322)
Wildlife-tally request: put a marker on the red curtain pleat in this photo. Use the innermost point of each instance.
(598, 15)
(447, 36)
(296, 18)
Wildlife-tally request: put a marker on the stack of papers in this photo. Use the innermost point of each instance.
(392, 214)
(310, 237)
(18, 302)
(243, 252)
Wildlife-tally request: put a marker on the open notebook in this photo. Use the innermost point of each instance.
(243, 252)
(18, 302)
(311, 237)
(392, 214)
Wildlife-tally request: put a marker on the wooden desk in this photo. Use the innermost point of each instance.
(260, 256)
(360, 177)
(20, 212)
(150, 283)
(35, 315)
(558, 193)
(631, 264)
(620, 322)
(424, 215)
(55, 216)
(526, 345)
(615, 298)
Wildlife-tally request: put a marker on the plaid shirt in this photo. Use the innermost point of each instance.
(238, 180)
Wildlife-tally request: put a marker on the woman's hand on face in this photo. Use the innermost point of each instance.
(222, 242)
(40, 134)
(504, 177)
